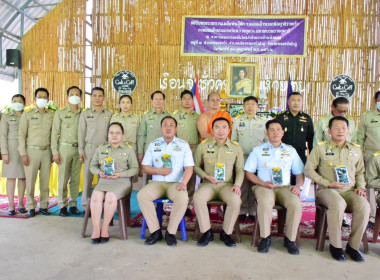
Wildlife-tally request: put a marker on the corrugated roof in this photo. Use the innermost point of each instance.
(12, 12)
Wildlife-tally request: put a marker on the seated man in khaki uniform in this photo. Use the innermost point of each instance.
(337, 167)
(274, 163)
(219, 157)
(372, 175)
(170, 162)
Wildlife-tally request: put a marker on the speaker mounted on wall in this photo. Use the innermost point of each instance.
(13, 58)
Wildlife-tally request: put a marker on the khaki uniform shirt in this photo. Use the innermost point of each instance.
(249, 133)
(130, 125)
(372, 173)
(34, 129)
(187, 127)
(149, 129)
(368, 135)
(230, 154)
(93, 127)
(65, 128)
(125, 161)
(9, 130)
(327, 155)
(322, 131)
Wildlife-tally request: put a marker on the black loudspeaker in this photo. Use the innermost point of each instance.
(13, 58)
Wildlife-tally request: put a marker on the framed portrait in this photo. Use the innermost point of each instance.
(242, 80)
(236, 110)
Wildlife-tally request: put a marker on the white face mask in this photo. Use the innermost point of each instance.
(41, 103)
(18, 106)
(75, 100)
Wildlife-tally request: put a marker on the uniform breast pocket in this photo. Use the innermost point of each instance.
(13, 126)
(374, 128)
(34, 123)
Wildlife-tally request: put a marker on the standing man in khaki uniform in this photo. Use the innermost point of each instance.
(64, 146)
(149, 128)
(93, 125)
(337, 167)
(368, 137)
(339, 107)
(34, 147)
(216, 159)
(270, 159)
(187, 130)
(170, 162)
(249, 131)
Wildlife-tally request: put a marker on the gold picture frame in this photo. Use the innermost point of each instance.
(242, 80)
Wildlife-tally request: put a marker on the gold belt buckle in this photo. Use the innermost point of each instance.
(75, 145)
(43, 148)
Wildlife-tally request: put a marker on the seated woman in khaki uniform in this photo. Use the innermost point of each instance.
(115, 163)
(12, 166)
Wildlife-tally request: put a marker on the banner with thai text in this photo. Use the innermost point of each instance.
(244, 36)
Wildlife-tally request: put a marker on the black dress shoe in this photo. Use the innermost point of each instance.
(189, 213)
(345, 224)
(11, 212)
(154, 237)
(170, 239)
(354, 254)
(22, 210)
(74, 210)
(291, 245)
(104, 239)
(95, 240)
(227, 239)
(32, 213)
(264, 245)
(242, 217)
(44, 211)
(63, 212)
(337, 253)
(207, 237)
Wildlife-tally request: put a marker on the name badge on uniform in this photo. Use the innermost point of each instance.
(374, 120)
(91, 116)
(177, 148)
(107, 117)
(156, 150)
(241, 124)
(104, 152)
(286, 118)
(351, 152)
(122, 154)
(228, 151)
(182, 117)
(258, 125)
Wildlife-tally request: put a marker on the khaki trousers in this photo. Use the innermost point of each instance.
(38, 160)
(69, 168)
(337, 202)
(87, 175)
(207, 192)
(155, 190)
(371, 193)
(247, 197)
(267, 198)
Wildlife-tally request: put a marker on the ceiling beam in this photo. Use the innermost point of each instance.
(9, 33)
(16, 14)
(41, 5)
(18, 10)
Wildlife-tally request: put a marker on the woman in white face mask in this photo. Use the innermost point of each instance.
(12, 166)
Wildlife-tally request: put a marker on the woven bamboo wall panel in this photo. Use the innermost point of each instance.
(144, 37)
(53, 52)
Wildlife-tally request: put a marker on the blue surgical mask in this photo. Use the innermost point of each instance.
(378, 105)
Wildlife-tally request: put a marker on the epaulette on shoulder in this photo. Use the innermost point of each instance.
(146, 111)
(28, 109)
(175, 112)
(128, 145)
(235, 143)
(323, 117)
(376, 153)
(62, 108)
(115, 115)
(357, 145)
(283, 112)
(51, 111)
(206, 140)
(321, 143)
(6, 113)
(350, 118)
(264, 119)
(365, 113)
(102, 144)
(85, 109)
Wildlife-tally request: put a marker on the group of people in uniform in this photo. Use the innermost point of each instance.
(238, 161)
